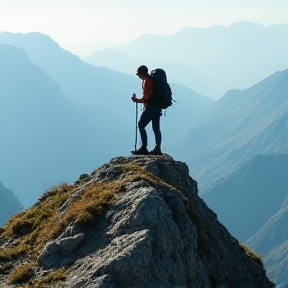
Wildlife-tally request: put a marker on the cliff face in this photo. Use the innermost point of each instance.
(156, 232)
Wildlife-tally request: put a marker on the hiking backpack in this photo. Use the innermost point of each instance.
(162, 93)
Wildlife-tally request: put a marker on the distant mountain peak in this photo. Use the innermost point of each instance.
(245, 24)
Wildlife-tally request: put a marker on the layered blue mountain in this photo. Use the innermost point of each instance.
(245, 199)
(87, 84)
(210, 61)
(46, 138)
(9, 204)
(79, 81)
(271, 241)
(242, 124)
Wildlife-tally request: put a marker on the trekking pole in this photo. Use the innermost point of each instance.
(136, 106)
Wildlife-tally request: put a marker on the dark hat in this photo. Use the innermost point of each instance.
(142, 70)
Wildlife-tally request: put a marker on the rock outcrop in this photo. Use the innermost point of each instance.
(156, 233)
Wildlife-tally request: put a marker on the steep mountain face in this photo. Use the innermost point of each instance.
(134, 222)
(271, 241)
(214, 60)
(9, 204)
(237, 127)
(47, 139)
(79, 81)
(249, 196)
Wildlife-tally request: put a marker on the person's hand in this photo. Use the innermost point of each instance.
(134, 97)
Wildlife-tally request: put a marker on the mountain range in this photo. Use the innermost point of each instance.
(78, 80)
(9, 204)
(61, 116)
(242, 124)
(46, 137)
(210, 60)
(271, 241)
(252, 202)
(245, 199)
(48, 82)
(98, 86)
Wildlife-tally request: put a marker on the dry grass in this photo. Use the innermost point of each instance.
(52, 278)
(252, 255)
(21, 274)
(140, 173)
(92, 203)
(34, 227)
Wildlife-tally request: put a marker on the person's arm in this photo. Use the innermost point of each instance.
(136, 100)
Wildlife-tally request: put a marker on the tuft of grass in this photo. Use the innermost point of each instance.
(36, 216)
(21, 274)
(53, 277)
(12, 253)
(93, 201)
(252, 255)
(32, 227)
(140, 173)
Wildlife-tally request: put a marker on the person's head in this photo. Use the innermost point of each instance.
(142, 72)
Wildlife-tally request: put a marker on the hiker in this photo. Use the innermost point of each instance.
(151, 112)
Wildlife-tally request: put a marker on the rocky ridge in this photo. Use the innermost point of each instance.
(156, 232)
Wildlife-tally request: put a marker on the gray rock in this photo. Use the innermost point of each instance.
(159, 233)
(74, 195)
(71, 230)
(55, 249)
(69, 244)
(104, 281)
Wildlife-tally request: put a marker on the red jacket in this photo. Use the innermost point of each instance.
(147, 87)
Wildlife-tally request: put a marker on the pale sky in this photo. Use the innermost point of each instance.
(106, 22)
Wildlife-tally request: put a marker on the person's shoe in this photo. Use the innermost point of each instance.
(141, 151)
(155, 151)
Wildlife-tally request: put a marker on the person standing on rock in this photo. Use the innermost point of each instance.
(151, 112)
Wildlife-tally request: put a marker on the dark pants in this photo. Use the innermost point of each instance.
(151, 113)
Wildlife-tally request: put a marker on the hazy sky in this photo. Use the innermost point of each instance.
(103, 22)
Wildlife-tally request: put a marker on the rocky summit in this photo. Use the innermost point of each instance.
(133, 222)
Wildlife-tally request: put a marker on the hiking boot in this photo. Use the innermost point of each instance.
(141, 151)
(155, 151)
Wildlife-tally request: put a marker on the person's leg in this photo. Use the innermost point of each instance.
(156, 128)
(145, 118)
